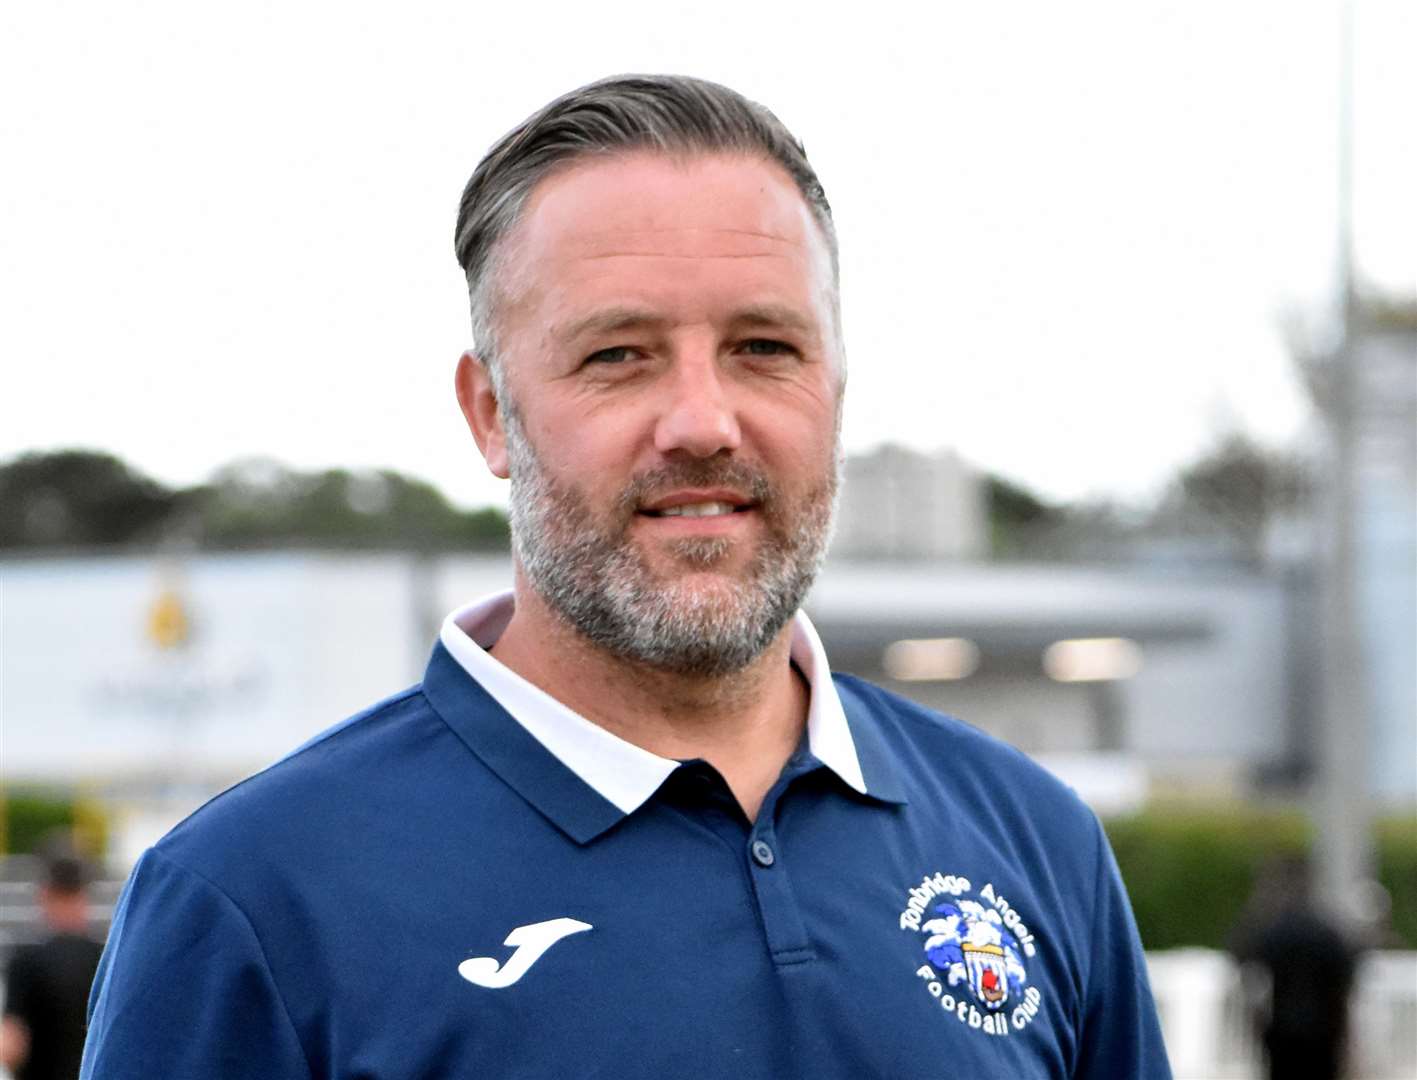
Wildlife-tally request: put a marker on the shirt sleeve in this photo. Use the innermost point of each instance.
(1121, 1034)
(184, 989)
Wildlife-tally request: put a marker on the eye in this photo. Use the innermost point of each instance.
(767, 347)
(615, 355)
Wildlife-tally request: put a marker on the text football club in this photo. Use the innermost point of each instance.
(976, 945)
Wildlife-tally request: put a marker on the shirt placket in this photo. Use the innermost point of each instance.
(768, 868)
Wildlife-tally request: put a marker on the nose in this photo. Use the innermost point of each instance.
(699, 416)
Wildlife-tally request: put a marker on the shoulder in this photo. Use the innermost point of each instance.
(950, 762)
(314, 795)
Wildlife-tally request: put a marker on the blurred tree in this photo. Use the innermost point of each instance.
(82, 498)
(1018, 519)
(1238, 489)
(78, 497)
(259, 502)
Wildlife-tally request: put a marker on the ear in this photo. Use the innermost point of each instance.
(478, 400)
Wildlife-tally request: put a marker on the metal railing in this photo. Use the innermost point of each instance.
(1210, 1034)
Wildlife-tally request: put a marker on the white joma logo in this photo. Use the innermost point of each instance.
(530, 941)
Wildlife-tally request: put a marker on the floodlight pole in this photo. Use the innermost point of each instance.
(1344, 848)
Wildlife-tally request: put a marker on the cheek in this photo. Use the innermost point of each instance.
(589, 454)
(802, 438)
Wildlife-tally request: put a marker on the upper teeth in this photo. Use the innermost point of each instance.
(704, 509)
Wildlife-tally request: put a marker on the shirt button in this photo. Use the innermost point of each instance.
(762, 853)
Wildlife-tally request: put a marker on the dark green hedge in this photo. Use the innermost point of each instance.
(1397, 870)
(30, 817)
(1190, 870)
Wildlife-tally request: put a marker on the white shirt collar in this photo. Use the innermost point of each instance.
(623, 773)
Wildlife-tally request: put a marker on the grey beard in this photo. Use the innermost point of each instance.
(594, 578)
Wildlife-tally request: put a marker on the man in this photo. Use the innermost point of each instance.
(628, 825)
(47, 985)
(1302, 967)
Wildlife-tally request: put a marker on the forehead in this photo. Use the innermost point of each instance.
(632, 211)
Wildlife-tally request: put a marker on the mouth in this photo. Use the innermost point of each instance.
(698, 504)
(720, 514)
(697, 510)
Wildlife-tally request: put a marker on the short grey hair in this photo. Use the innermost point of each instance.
(671, 114)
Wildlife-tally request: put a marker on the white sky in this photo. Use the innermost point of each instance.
(1068, 230)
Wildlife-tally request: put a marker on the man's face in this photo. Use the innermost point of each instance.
(671, 355)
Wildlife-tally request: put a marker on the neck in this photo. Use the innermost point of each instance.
(67, 914)
(745, 724)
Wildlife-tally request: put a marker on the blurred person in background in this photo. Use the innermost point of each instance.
(1299, 967)
(47, 985)
(630, 824)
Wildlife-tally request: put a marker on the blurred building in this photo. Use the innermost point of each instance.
(1124, 680)
(1385, 368)
(154, 687)
(897, 503)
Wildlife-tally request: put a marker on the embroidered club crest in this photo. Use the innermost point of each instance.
(988, 977)
(969, 944)
(978, 948)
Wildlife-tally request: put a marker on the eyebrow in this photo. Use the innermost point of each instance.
(608, 321)
(614, 320)
(768, 315)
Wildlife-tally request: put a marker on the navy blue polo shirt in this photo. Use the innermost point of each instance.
(428, 891)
